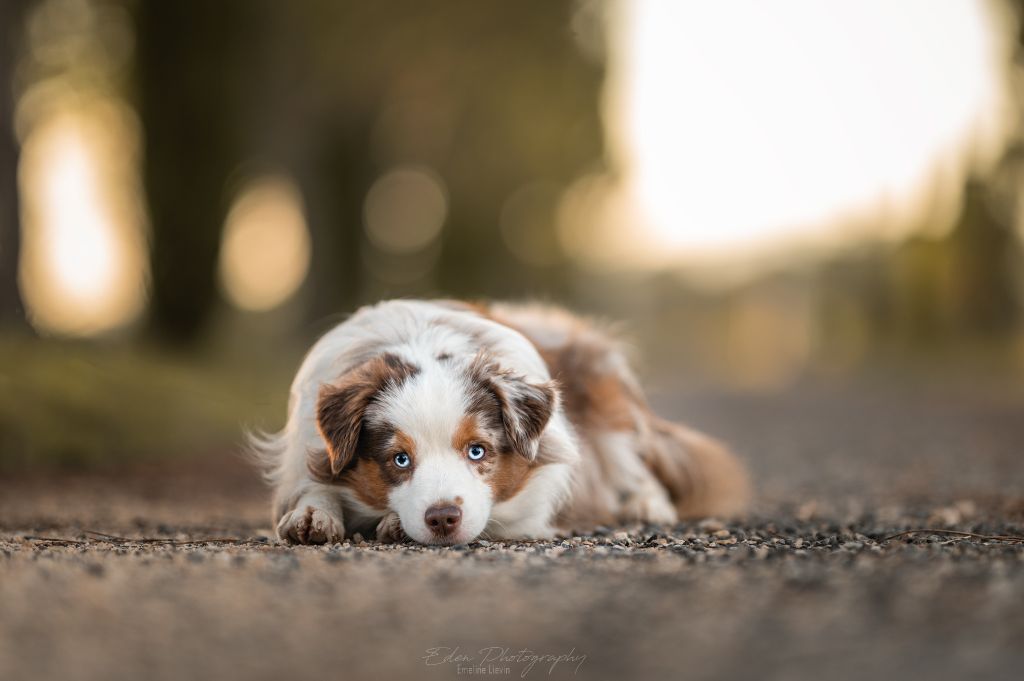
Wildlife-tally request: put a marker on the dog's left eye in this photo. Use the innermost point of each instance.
(476, 452)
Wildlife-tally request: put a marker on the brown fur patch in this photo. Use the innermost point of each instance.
(466, 433)
(367, 481)
(502, 468)
(404, 443)
(318, 462)
(342, 406)
(509, 475)
(593, 398)
(523, 408)
(373, 472)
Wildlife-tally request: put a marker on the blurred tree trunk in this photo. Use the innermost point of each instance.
(12, 314)
(324, 148)
(335, 181)
(986, 258)
(188, 77)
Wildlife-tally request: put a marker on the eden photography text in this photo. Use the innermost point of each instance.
(502, 661)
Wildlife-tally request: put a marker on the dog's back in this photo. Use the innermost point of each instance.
(635, 465)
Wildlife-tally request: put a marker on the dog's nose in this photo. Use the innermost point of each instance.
(443, 519)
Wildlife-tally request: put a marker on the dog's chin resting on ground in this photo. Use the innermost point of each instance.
(442, 422)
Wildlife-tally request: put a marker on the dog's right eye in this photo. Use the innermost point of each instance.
(402, 460)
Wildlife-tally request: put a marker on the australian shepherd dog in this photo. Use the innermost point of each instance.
(443, 422)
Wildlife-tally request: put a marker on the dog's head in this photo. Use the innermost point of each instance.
(437, 442)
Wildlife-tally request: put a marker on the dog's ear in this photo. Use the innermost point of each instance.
(341, 406)
(525, 407)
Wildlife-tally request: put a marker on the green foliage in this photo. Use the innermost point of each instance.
(82, 406)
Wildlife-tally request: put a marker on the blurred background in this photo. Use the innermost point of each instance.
(782, 203)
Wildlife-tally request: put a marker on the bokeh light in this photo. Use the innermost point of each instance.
(83, 258)
(744, 128)
(265, 253)
(405, 210)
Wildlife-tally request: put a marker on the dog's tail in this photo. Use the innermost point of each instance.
(702, 476)
(266, 452)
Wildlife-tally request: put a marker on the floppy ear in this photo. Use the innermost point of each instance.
(342, 405)
(525, 407)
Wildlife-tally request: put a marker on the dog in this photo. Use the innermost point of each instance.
(443, 422)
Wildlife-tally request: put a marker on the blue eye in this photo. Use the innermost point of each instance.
(402, 460)
(476, 452)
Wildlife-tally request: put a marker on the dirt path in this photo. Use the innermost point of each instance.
(807, 587)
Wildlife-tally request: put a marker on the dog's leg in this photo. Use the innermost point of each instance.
(311, 514)
(638, 495)
(529, 514)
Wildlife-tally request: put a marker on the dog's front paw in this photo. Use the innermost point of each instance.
(310, 525)
(389, 529)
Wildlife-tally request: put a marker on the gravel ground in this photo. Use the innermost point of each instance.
(811, 585)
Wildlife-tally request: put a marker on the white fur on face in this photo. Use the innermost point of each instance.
(442, 478)
(428, 409)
